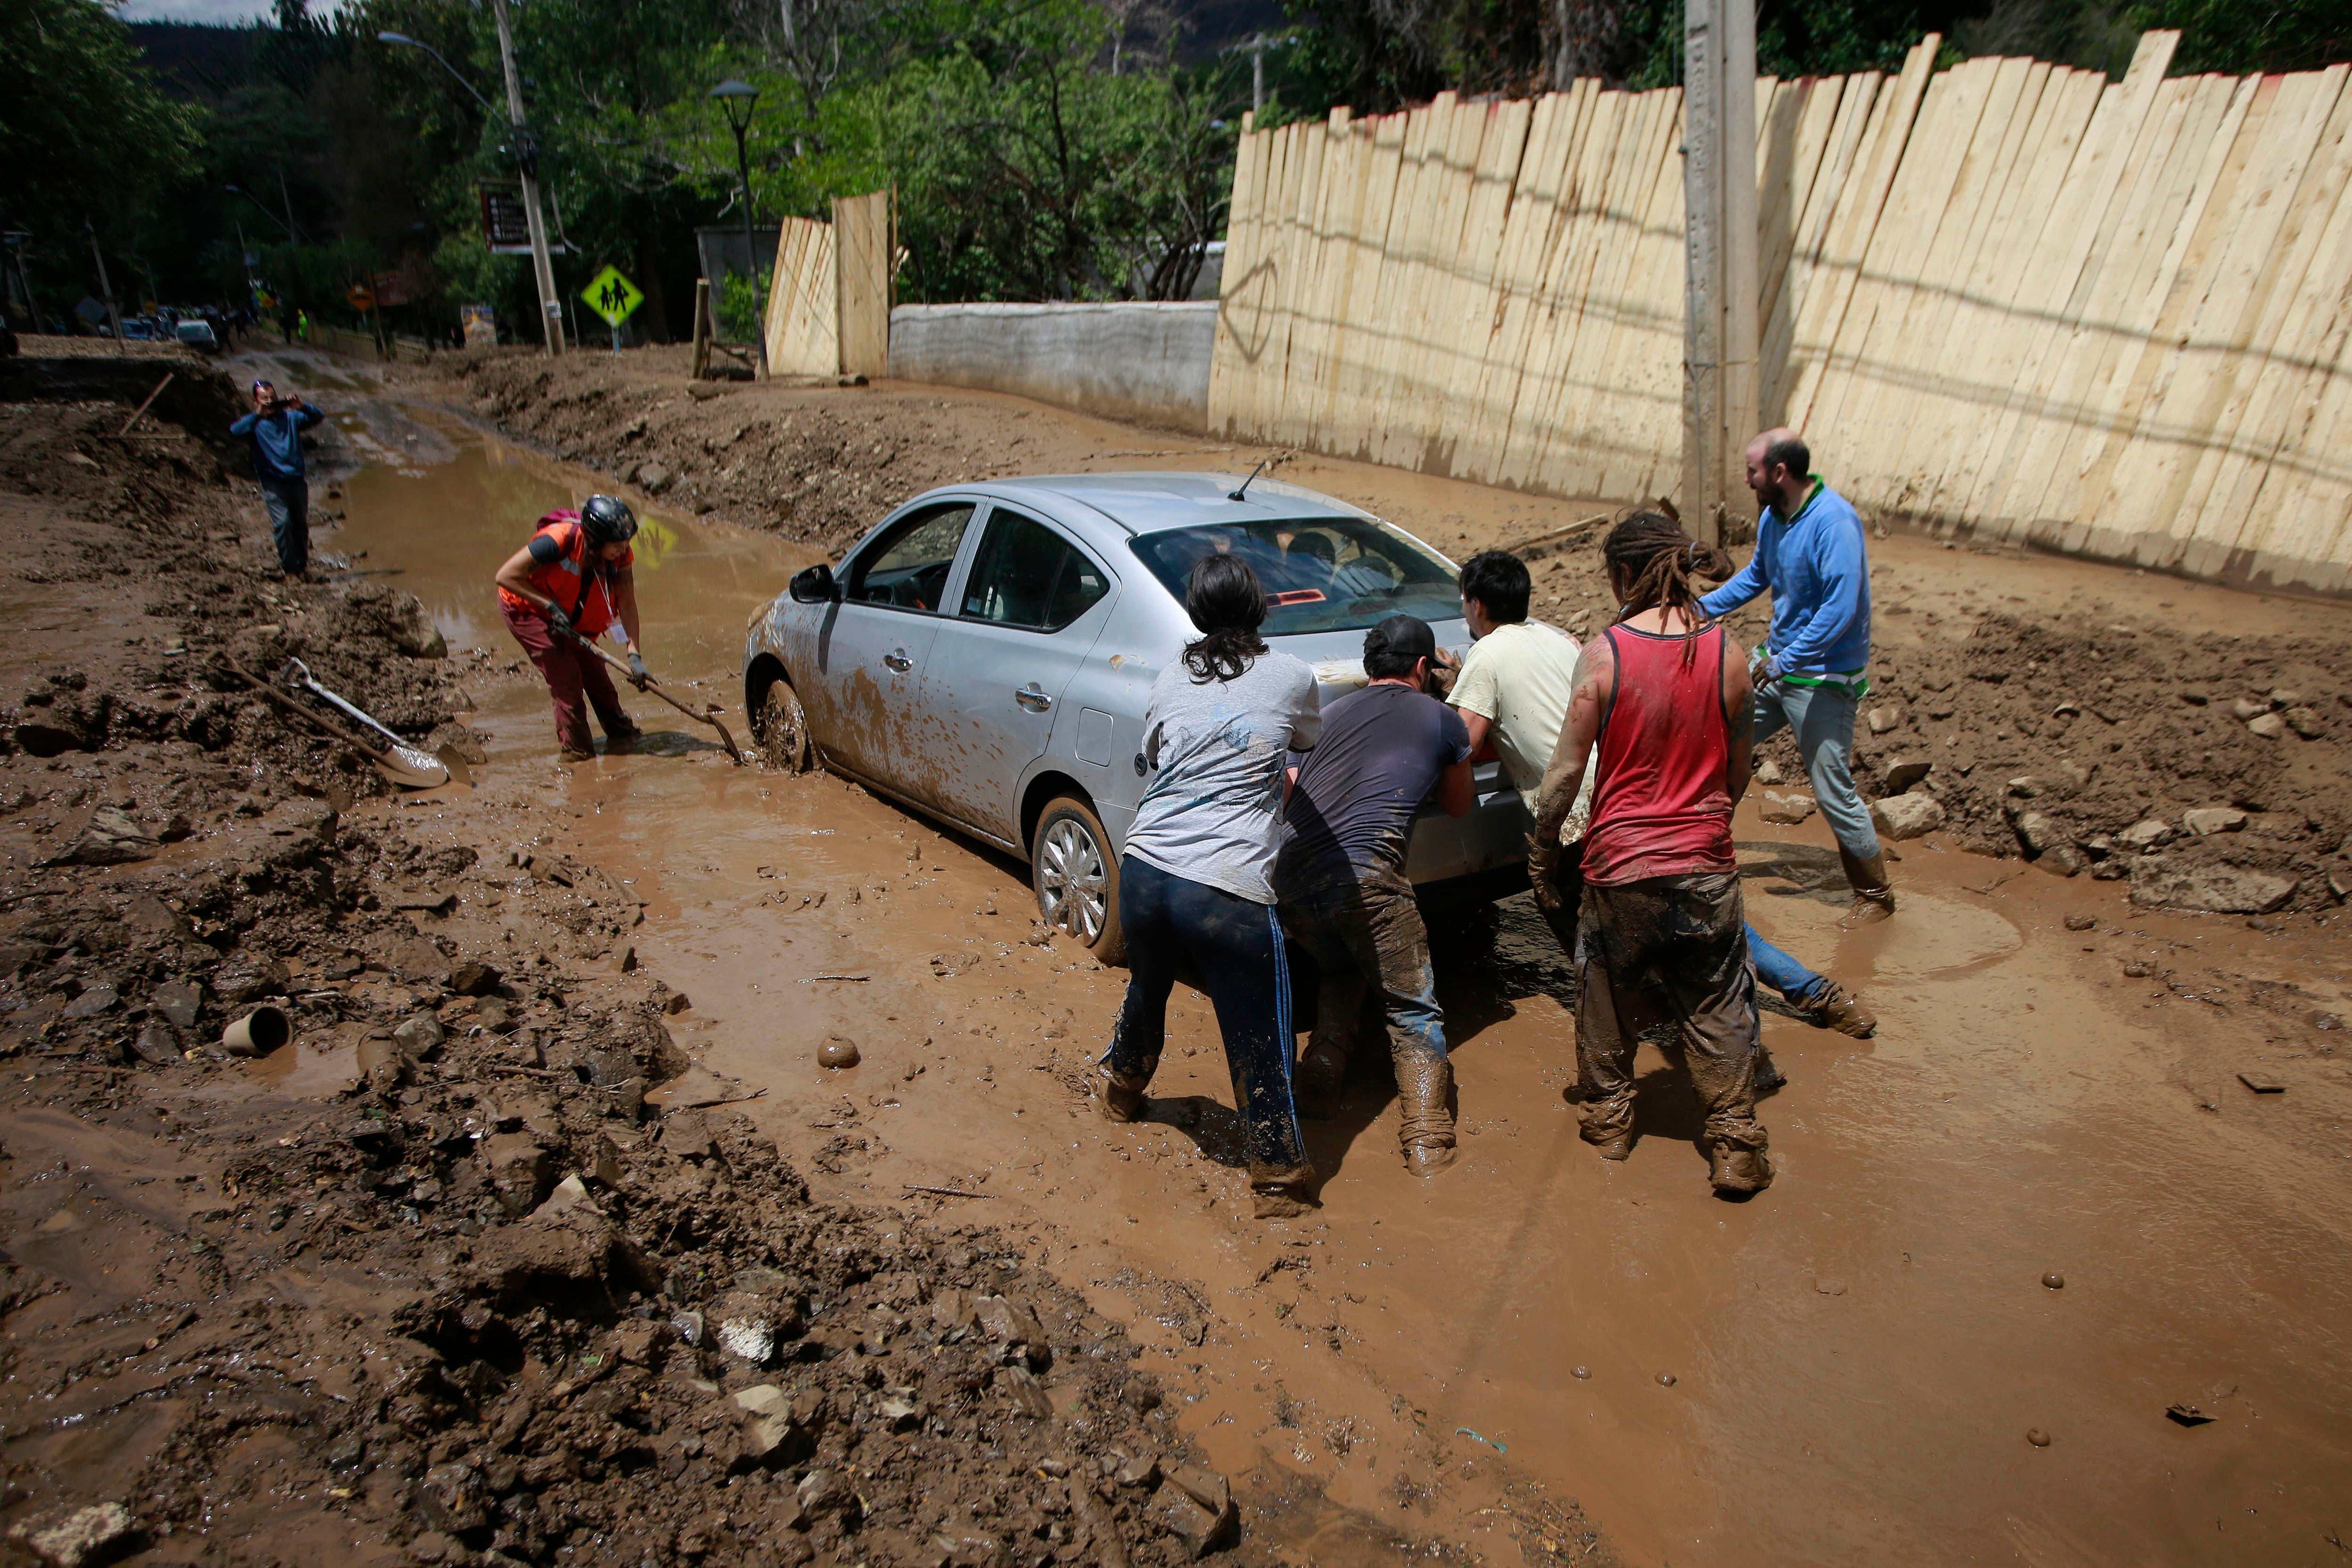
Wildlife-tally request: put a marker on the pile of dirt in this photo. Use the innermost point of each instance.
(480, 1268)
(817, 466)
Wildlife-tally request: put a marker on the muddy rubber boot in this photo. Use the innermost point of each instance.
(1607, 1125)
(1768, 1076)
(568, 754)
(1282, 1194)
(1735, 1170)
(1118, 1096)
(1322, 1074)
(1873, 897)
(1836, 1007)
(625, 733)
(1426, 1127)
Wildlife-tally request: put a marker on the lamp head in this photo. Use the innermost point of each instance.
(398, 39)
(736, 97)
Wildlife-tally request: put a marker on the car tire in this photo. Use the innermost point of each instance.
(1076, 877)
(782, 726)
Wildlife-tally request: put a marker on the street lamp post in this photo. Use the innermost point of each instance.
(550, 303)
(737, 99)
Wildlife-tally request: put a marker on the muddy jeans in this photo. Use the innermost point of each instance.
(1668, 948)
(573, 673)
(1235, 947)
(1821, 719)
(1371, 932)
(288, 501)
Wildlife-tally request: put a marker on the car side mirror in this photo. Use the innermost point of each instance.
(815, 586)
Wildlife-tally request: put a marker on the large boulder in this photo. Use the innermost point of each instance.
(2160, 882)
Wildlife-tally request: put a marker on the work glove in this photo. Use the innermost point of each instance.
(637, 676)
(559, 622)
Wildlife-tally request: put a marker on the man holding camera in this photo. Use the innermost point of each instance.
(275, 427)
(1339, 876)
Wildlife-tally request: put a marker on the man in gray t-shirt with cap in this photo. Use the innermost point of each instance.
(1339, 875)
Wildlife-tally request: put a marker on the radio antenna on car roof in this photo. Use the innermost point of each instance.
(1242, 493)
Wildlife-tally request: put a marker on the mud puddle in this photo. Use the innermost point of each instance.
(1843, 1371)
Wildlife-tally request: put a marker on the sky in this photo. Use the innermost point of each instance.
(213, 11)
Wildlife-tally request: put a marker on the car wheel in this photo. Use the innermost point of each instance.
(782, 728)
(1077, 877)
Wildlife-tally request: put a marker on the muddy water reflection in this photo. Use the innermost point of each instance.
(1857, 1355)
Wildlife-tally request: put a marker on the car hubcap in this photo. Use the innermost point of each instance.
(1073, 883)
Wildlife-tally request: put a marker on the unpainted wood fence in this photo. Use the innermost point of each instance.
(2009, 298)
(829, 299)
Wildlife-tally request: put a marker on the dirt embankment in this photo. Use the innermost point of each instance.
(482, 1268)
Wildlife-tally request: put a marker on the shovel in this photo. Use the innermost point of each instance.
(710, 718)
(421, 769)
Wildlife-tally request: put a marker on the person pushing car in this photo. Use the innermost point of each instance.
(561, 591)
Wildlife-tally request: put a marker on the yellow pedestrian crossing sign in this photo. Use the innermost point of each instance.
(612, 295)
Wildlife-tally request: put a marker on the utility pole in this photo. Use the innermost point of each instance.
(1720, 387)
(550, 304)
(113, 311)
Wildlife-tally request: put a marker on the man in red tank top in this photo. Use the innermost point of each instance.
(1663, 934)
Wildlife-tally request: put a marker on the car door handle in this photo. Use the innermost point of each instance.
(897, 659)
(1032, 698)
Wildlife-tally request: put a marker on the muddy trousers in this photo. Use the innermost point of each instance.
(1235, 948)
(288, 501)
(575, 679)
(1668, 948)
(1370, 933)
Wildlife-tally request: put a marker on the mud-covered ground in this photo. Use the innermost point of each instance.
(2074, 733)
(483, 1267)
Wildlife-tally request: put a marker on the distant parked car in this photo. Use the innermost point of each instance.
(142, 330)
(197, 333)
(983, 655)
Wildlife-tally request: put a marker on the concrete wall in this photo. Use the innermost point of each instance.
(1125, 360)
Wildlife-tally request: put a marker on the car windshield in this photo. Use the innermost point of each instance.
(1320, 574)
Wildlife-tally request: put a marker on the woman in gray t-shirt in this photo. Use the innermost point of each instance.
(1192, 882)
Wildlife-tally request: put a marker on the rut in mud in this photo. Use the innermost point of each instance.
(482, 1267)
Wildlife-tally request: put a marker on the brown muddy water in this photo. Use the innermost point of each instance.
(1843, 1371)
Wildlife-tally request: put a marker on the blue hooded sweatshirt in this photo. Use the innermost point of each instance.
(1819, 574)
(278, 439)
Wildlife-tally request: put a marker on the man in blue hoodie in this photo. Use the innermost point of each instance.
(275, 427)
(1809, 675)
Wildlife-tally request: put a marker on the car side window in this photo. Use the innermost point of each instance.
(907, 567)
(1028, 575)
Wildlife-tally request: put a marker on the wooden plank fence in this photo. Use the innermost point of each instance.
(829, 298)
(2010, 299)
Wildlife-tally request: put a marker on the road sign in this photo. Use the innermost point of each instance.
(612, 295)
(360, 297)
(504, 222)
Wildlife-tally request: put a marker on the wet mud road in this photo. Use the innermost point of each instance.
(1845, 1369)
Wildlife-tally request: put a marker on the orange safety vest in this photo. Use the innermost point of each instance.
(569, 578)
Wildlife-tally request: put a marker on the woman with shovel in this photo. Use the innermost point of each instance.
(559, 592)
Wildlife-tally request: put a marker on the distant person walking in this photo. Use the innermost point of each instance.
(1663, 699)
(1811, 554)
(1386, 748)
(275, 427)
(1219, 726)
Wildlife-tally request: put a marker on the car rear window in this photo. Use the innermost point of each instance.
(1320, 574)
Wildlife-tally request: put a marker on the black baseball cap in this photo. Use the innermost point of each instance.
(1400, 640)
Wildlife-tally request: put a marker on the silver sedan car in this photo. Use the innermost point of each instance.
(983, 656)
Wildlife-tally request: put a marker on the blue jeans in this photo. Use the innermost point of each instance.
(1822, 719)
(1777, 970)
(1235, 947)
(289, 503)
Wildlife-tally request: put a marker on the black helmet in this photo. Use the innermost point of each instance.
(608, 519)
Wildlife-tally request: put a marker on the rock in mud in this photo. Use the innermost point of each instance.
(521, 1172)
(838, 1051)
(109, 838)
(1906, 816)
(2157, 883)
(245, 977)
(2040, 831)
(1197, 1508)
(2054, 1281)
(2269, 726)
(2037, 1437)
(474, 979)
(1903, 773)
(1785, 810)
(178, 1004)
(1884, 719)
(2206, 821)
(90, 1535)
(2081, 921)
(2146, 834)
(420, 1035)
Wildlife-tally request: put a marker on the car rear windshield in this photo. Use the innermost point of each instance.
(1320, 574)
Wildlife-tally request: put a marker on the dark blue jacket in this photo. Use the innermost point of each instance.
(278, 440)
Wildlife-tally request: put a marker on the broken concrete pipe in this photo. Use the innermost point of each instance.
(256, 1034)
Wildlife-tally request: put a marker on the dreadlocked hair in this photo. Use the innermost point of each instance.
(1660, 561)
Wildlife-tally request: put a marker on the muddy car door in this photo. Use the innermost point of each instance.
(871, 647)
(1029, 610)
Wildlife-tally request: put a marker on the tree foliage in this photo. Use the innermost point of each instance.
(84, 129)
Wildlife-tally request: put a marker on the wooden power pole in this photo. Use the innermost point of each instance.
(1719, 388)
